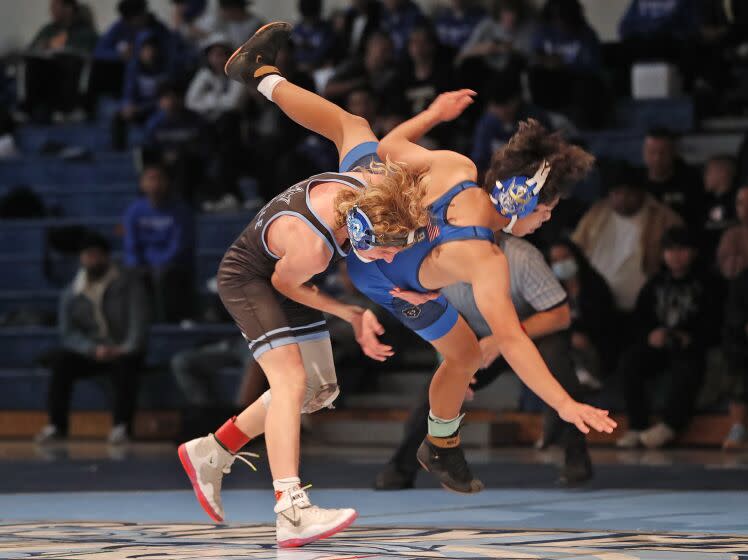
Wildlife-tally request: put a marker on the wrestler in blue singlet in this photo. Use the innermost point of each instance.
(435, 318)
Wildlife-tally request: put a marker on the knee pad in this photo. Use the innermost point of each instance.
(321, 381)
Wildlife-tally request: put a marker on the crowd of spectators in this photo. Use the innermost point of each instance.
(644, 266)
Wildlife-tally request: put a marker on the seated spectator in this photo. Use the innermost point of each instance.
(119, 41)
(673, 318)
(232, 18)
(312, 37)
(567, 56)
(375, 70)
(173, 137)
(621, 236)
(211, 93)
(593, 312)
(541, 305)
(54, 62)
(423, 75)
(359, 22)
(735, 347)
(497, 42)
(159, 241)
(719, 206)
(456, 22)
(144, 75)
(732, 252)
(399, 18)
(669, 178)
(650, 20)
(505, 109)
(184, 13)
(8, 147)
(104, 331)
(195, 369)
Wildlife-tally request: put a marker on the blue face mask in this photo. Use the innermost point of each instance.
(565, 269)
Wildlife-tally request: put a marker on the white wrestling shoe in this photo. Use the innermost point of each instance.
(205, 461)
(299, 522)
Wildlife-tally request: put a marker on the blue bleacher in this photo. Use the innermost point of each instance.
(103, 168)
(94, 137)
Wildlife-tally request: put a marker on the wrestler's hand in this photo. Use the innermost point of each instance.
(367, 328)
(450, 105)
(413, 298)
(585, 417)
(489, 350)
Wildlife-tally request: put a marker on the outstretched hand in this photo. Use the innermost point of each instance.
(450, 105)
(367, 329)
(585, 417)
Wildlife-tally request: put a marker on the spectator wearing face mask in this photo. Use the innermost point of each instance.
(732, 253)
(103, 329)
(592, 308)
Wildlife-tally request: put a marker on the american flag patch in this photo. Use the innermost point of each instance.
(432, 230)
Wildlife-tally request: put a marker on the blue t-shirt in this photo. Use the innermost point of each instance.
(678, 18)
(454, 28)
(399, 23)
(312, 43)
(158, 236)
(579, 50)
(173, 131)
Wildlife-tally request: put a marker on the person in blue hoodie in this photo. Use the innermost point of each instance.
(567, 60)
(140, 96)
(399, 18)
(119, 41)
(313, 37)
(159, 242)
(455, 23)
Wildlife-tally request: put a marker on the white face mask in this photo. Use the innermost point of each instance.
(565, 269)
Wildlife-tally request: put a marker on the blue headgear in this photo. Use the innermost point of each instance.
(517, 196)
(362, 236)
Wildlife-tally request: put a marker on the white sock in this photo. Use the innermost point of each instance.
(268, 84)
(284, 484)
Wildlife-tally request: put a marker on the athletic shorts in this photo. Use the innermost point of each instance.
(266, 317)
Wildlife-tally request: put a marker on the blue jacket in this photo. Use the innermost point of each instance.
(579, 51)
(175, 131)
(454, 30)
(312, 43)
(158, 236)
(141, 84)
(120, 32)
(678, 18)
(400, 23)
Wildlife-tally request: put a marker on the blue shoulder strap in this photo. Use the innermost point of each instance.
(441, 204)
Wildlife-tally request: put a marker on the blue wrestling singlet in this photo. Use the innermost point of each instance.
(435, 318)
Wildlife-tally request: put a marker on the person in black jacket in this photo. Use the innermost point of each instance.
(592, 308)
(673, 317)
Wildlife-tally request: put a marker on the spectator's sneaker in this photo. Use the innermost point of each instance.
(737, 438)
(255, 59)
(205, 461)
(298, 522)
(577, 467)
(657, 436)
(390, 478)
(49, 434)
(447, 462)
(630, 440)
(118, 435)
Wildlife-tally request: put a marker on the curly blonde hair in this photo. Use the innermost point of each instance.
(392, 199)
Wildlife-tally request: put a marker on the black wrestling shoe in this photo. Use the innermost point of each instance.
(447, 462)
(391, 478)
(255, 59)
(577, 467)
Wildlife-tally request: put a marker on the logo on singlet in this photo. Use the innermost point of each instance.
(285, 196)
(432, 230)
(412, 312)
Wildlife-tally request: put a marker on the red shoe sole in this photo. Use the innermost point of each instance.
(293, 543)
(190, 470)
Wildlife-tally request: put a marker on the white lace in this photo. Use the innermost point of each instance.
(241, 456)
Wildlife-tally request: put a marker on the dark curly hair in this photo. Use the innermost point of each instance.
(526, 150)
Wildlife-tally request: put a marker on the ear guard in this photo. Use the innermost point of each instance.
(517, 196)
(362, 236)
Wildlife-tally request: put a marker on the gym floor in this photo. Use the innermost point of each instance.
(84, 500)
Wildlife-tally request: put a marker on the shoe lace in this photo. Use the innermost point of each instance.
(242, 456)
